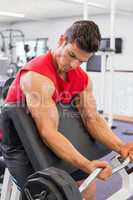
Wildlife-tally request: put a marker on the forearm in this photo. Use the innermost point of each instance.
(65, 150)
(99, 130)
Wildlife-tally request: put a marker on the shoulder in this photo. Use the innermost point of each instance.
(39, 61)
(34, 82)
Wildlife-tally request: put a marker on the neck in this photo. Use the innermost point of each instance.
(54, 59)
(61, 73)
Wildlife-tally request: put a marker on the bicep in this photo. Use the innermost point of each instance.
(38, 91)
(45, 115)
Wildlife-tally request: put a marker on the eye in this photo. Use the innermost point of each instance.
(71, 54)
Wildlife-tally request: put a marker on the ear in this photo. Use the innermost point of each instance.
(61, 40)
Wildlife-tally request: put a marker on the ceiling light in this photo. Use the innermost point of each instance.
(10, 14)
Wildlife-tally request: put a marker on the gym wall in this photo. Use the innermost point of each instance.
(54, 27)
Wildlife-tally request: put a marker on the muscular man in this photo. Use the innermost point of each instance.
(56, 77)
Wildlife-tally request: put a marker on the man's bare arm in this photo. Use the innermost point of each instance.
(38, 91)
(95, 123)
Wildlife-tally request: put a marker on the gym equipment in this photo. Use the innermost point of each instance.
(41, 46)
(4, 64)
(128, 132)
(10, 37)
(55, 184)
(5, 87)
(15, 120)
(35, 48)
(51, 183)
(12, 70)
(29, 49)
(10, 190)
(126, 174)
(2, 45)
(2, 166)
(42, 158)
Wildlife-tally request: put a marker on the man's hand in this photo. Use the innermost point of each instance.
(127, 150)
(105, 173)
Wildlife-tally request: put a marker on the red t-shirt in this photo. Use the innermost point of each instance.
(77, 80)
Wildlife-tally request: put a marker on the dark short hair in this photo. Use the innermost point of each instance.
(86, 34)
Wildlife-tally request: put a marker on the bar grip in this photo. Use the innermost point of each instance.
(124, 164)
(90, 178)
(97, 171)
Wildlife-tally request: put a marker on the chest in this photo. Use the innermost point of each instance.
(66, 90)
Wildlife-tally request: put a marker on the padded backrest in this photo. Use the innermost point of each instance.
(17, 121)
(6, 86)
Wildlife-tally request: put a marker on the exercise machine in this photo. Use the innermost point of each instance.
(56, 184)
(10, 38)
(51, 179)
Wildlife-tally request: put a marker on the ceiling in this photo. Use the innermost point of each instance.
(44, 9)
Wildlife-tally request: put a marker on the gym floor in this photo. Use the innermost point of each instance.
(113, 184)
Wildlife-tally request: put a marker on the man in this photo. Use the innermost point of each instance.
(56, 77)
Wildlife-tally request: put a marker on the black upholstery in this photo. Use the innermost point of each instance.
(16, 120)
(6, 86)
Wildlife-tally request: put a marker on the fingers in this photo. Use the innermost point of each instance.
(106, 172)
(107, 169)
(127, 150)
(102, 164)
(131, 155)
(124, 152)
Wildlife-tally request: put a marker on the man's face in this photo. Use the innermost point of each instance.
(69, 56)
